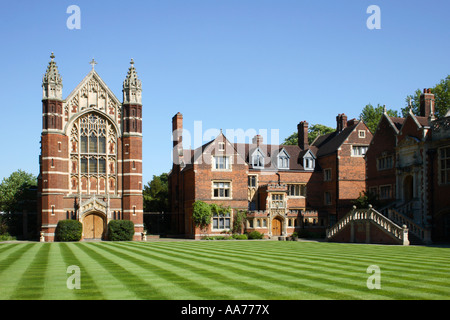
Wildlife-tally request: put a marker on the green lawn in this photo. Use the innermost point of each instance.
(225, 270)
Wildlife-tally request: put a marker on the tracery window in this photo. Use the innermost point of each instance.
(93, 155)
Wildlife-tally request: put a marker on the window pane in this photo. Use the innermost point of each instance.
(92, 144)
(83, 144)
(215, 223)
(102, 166)
(221, 225)
(84, 165)
(92, 165)
(227, 223)
(102, 145)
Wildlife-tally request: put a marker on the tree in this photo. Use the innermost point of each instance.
(313, 132)
(371, 115)
(441, 93)
(156, 194)
(17, 191)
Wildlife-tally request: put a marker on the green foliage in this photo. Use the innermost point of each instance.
(156, 194)
(365, 198)
(313, 132)
(232, 237)
(16, 191)
(371, 115)
(201, 214)
(68, 230)
(238, 220)
(255, 235)
(441, 93)
(120, 230)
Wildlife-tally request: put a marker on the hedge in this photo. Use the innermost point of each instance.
(120, 230)
(68, 230)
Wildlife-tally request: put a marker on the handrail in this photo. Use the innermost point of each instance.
(423, 233)
(399, 233)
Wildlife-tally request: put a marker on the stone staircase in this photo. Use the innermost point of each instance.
(393, 232)
(418, 234)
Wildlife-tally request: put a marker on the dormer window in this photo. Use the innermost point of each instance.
(283, 160)
(309, 161)
(258, 159)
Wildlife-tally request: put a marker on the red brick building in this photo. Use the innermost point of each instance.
(91, 154)
(408, 165)
(282, 188)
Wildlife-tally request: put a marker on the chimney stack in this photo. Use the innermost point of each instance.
(177, 130)
(427, 105)
(341, 122)
(302, 129)
(258, 139)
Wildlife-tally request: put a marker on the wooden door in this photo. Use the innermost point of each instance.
(276, 227)
(93, 227)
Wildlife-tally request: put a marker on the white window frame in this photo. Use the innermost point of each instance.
(296, 187)
(221, 146)
(257, 154)
(283, 160)
(361, 134)
(358, 153)
(218, 187)
(226, 163)
(444, 179)
(218, 218)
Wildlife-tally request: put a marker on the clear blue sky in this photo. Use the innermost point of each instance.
(249, 64)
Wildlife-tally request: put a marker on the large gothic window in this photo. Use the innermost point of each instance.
(93, 155)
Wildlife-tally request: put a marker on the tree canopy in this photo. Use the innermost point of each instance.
(18, 192)
(156, 194)
(441, 93)
(371, 115)
(313, 132)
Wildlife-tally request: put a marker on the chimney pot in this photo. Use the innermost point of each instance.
(302, 130)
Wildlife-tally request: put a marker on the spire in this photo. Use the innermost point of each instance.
(52, 81)
(132, 86)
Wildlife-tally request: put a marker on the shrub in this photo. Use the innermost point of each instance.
(255, 235)
(68, 230)
(120, 230)
(201, 214)
(240, 236)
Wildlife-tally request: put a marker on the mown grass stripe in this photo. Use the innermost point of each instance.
(9, 260)
(196, 288)
(397, 285)
(237, 288)
(135, 284)
(88, 289)
(270, 275)
(394, 285)
(31, 284)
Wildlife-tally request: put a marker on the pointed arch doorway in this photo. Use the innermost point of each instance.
(94, 226)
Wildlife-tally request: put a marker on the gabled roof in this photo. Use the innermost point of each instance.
(93, 75)
(329, 143)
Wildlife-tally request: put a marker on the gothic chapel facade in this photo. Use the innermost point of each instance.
(91, 154)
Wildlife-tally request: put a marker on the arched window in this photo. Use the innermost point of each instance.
(92, 134)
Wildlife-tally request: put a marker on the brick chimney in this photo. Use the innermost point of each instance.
(341, 122)
(258, 139)
(427, 103)
(177, 130)
(302, 129)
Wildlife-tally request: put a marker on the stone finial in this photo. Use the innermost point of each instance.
(132, 86)
(52, 81)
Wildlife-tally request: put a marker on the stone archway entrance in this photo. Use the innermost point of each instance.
(277, 227)
(93, 226)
